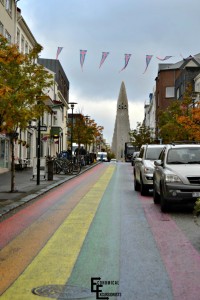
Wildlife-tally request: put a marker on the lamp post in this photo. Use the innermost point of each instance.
(38, 153)
(72, 125)
(86, 118)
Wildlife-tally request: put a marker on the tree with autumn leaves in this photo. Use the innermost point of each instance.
(85, 131)
(23, 83)
(141, 135)
(181, 120)
(190, 118)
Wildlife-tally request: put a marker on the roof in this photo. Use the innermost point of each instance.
(190, 61)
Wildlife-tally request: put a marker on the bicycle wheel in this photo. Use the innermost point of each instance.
(68, 169)
(76, 168)
(58, 169)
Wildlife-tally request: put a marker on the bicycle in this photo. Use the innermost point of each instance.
(62, 165)
(76, 166)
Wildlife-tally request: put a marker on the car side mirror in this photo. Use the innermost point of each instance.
(158, 163)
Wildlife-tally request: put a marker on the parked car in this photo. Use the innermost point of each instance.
(135, 154)
(144, 167)
(176, 177)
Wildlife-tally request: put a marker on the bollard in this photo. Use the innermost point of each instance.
(50, 170)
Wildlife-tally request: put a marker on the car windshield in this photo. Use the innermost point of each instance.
(184, 156)
(153, 153)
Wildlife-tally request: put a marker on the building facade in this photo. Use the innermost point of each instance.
(53, 124)
(171, 84)
(57, 134)
(8, 22)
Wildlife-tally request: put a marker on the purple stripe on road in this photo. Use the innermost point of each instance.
(181, 259)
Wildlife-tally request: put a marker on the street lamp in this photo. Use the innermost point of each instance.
(72, 124)
(86, 118)
(37, 126)
(38, 152)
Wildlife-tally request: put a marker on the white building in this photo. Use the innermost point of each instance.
(54, 124)
(8, 21)
(150, 113)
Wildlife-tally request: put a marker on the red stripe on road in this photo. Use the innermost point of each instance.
(181, 259)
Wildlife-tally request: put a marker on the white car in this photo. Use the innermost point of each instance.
(176, 175)
(144, 167)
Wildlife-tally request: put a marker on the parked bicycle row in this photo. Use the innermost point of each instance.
(66, 166)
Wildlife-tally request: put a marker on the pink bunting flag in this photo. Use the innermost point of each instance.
(127, 58)
(82, 57)
(104, 56)
(165, 58)
(58, 51)
(148, 59)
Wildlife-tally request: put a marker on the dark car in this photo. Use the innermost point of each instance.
(176, 177)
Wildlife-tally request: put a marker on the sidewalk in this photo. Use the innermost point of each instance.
(27, 188)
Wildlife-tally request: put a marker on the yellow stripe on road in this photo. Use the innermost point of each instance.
(54, 264)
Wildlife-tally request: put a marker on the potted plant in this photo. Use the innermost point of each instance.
(24, 143)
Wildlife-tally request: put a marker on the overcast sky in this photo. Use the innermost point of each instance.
(140, 28)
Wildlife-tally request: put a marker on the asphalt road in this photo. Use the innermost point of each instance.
(95, 232)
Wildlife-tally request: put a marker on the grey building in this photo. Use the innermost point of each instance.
(122, 125)
(60, 77)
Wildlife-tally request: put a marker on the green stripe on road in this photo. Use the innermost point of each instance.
(100, 253)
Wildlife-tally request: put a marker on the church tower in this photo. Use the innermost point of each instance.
(122, 125)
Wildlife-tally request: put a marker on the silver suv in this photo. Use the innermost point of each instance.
(144, 167)
(176, 177)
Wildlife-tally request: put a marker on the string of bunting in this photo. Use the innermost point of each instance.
(105, 55)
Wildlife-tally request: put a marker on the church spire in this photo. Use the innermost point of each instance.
(122, 102)
(122, 124)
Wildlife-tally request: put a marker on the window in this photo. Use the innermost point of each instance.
(1, 28)
(9, 6)
(8, 36)
(178, 93)
(22, 44)
(169, 92)
(55, 120)
(197, 87)
(153, 153)
(18, 37)
(26, 48)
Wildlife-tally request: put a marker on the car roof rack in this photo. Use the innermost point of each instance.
(184, 142)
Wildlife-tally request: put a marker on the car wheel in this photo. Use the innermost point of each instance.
(136, 184)
(156, 196)
(163, 203)
(143, 188)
